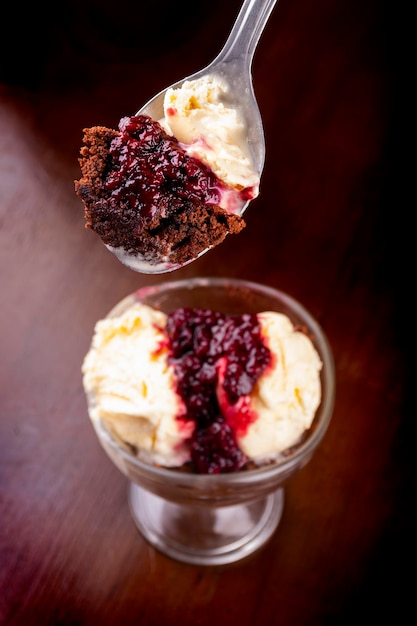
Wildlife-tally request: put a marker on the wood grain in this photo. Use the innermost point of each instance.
(325, 228)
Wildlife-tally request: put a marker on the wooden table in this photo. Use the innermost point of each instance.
(324, 229)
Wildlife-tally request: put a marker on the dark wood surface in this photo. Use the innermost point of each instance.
(325, 228)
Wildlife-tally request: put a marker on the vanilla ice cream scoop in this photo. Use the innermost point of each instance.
(232, 67)
(202, 387)
(287, 395)
(130, 386)
(198, 115)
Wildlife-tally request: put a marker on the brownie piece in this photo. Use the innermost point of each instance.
(143, 193)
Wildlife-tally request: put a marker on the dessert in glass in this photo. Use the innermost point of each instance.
(208, 394)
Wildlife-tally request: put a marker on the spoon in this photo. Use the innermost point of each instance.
(234, 66)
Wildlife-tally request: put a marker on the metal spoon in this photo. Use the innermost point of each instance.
(233, 65)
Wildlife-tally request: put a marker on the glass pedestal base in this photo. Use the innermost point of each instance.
(205, 535)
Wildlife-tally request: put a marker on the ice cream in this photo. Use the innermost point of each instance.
(201, 388)
(287, 394)
(161, 200)
(130, 385)
(197, 114)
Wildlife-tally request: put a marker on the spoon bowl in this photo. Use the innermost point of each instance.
(233, 66)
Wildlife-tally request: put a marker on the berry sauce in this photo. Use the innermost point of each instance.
(217, 360)
(151, 173)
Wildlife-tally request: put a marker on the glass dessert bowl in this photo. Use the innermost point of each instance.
(212, 519)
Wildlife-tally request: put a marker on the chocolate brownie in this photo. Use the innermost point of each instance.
(143, 193)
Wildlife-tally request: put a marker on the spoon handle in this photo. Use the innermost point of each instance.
(246, 31)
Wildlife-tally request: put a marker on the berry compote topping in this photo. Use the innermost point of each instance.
(217, 360)
(151, 173)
